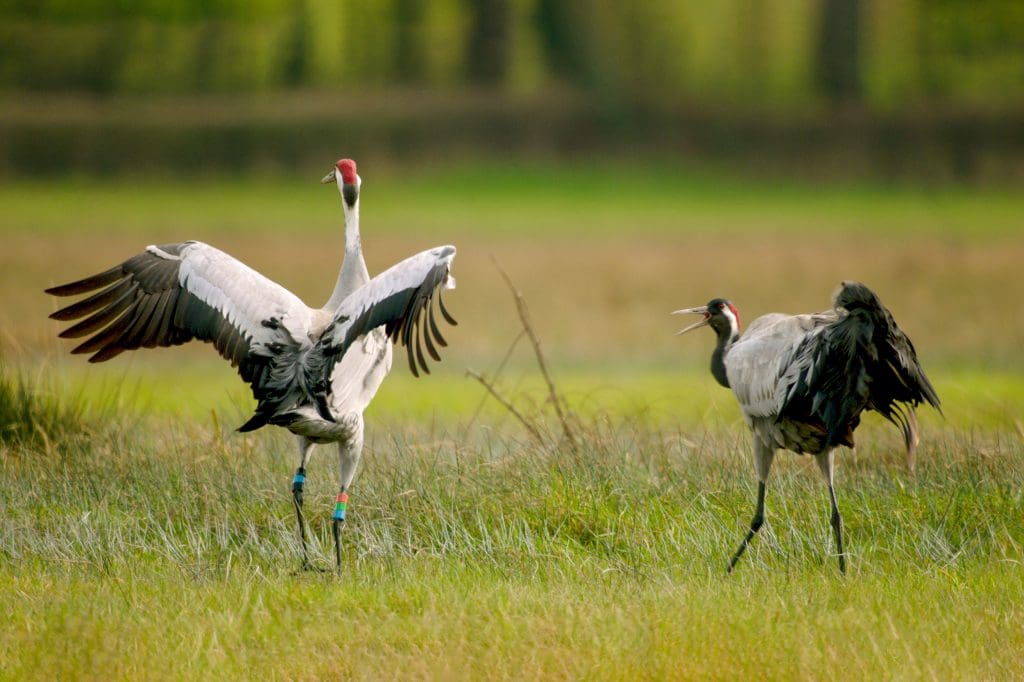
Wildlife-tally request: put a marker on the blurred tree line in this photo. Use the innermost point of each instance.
(883, 54)
(872, 88)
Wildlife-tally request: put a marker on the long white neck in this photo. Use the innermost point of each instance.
(353, 272)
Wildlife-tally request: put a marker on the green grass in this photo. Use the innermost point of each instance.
(162, 549)
(140, 537)
(423, 622)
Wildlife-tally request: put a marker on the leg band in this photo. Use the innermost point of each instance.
(340, 505)
(298, 481)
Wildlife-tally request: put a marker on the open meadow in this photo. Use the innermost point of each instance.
(141, 537)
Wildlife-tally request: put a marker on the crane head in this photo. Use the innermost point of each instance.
(720, 314)
(348, 181)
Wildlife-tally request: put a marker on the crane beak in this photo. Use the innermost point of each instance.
(699, 310)
(329, 178)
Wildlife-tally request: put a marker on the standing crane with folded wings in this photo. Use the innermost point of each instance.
(312, 370)
(803, 381)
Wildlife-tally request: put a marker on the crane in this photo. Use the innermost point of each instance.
(803, 381)
(312, 370)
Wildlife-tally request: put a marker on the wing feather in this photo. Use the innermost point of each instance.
(444, 311)
(100, 318)
(88, 284)
(96, 343)
(396, 299)
(419, 346)
(90, 304)
(434, 329)
(862, 361)
(157, 320)
(427, 335)
(168, 295)
(393, 300)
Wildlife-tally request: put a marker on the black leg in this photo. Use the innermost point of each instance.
(755, 525)
(297, 483)
(837, 528)
(340, 506)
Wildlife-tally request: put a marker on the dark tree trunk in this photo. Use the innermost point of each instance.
(408, 50)
(210, 36)
(294, 71)
(490, 36)
(561, 39)
(838, 56)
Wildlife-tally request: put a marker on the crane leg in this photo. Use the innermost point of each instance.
(837, 529)
(340, 506)
(348, 458)
(763, 456)
(825, 462)
(755, 525)
(297, 485)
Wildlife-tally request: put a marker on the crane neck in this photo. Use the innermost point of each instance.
(726, 339)
(353, 273)
(353, 243)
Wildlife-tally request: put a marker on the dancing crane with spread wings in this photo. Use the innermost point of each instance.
(312, 371)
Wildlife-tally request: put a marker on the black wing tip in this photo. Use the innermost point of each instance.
(70, 289)
(256, 421)
(932, 400)
(444, 312)
(412, 362)
(90, 283)
(65, 314)
(107, 353)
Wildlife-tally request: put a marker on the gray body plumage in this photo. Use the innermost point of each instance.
(758, 366)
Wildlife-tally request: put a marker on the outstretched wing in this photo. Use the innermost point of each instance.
(168, 295)
(399, 299)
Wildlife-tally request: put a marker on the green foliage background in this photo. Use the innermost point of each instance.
(662, 51)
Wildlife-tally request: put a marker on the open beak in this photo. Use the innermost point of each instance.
(329, 178)
(699, 310)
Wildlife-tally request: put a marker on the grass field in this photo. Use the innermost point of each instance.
(140, 537)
